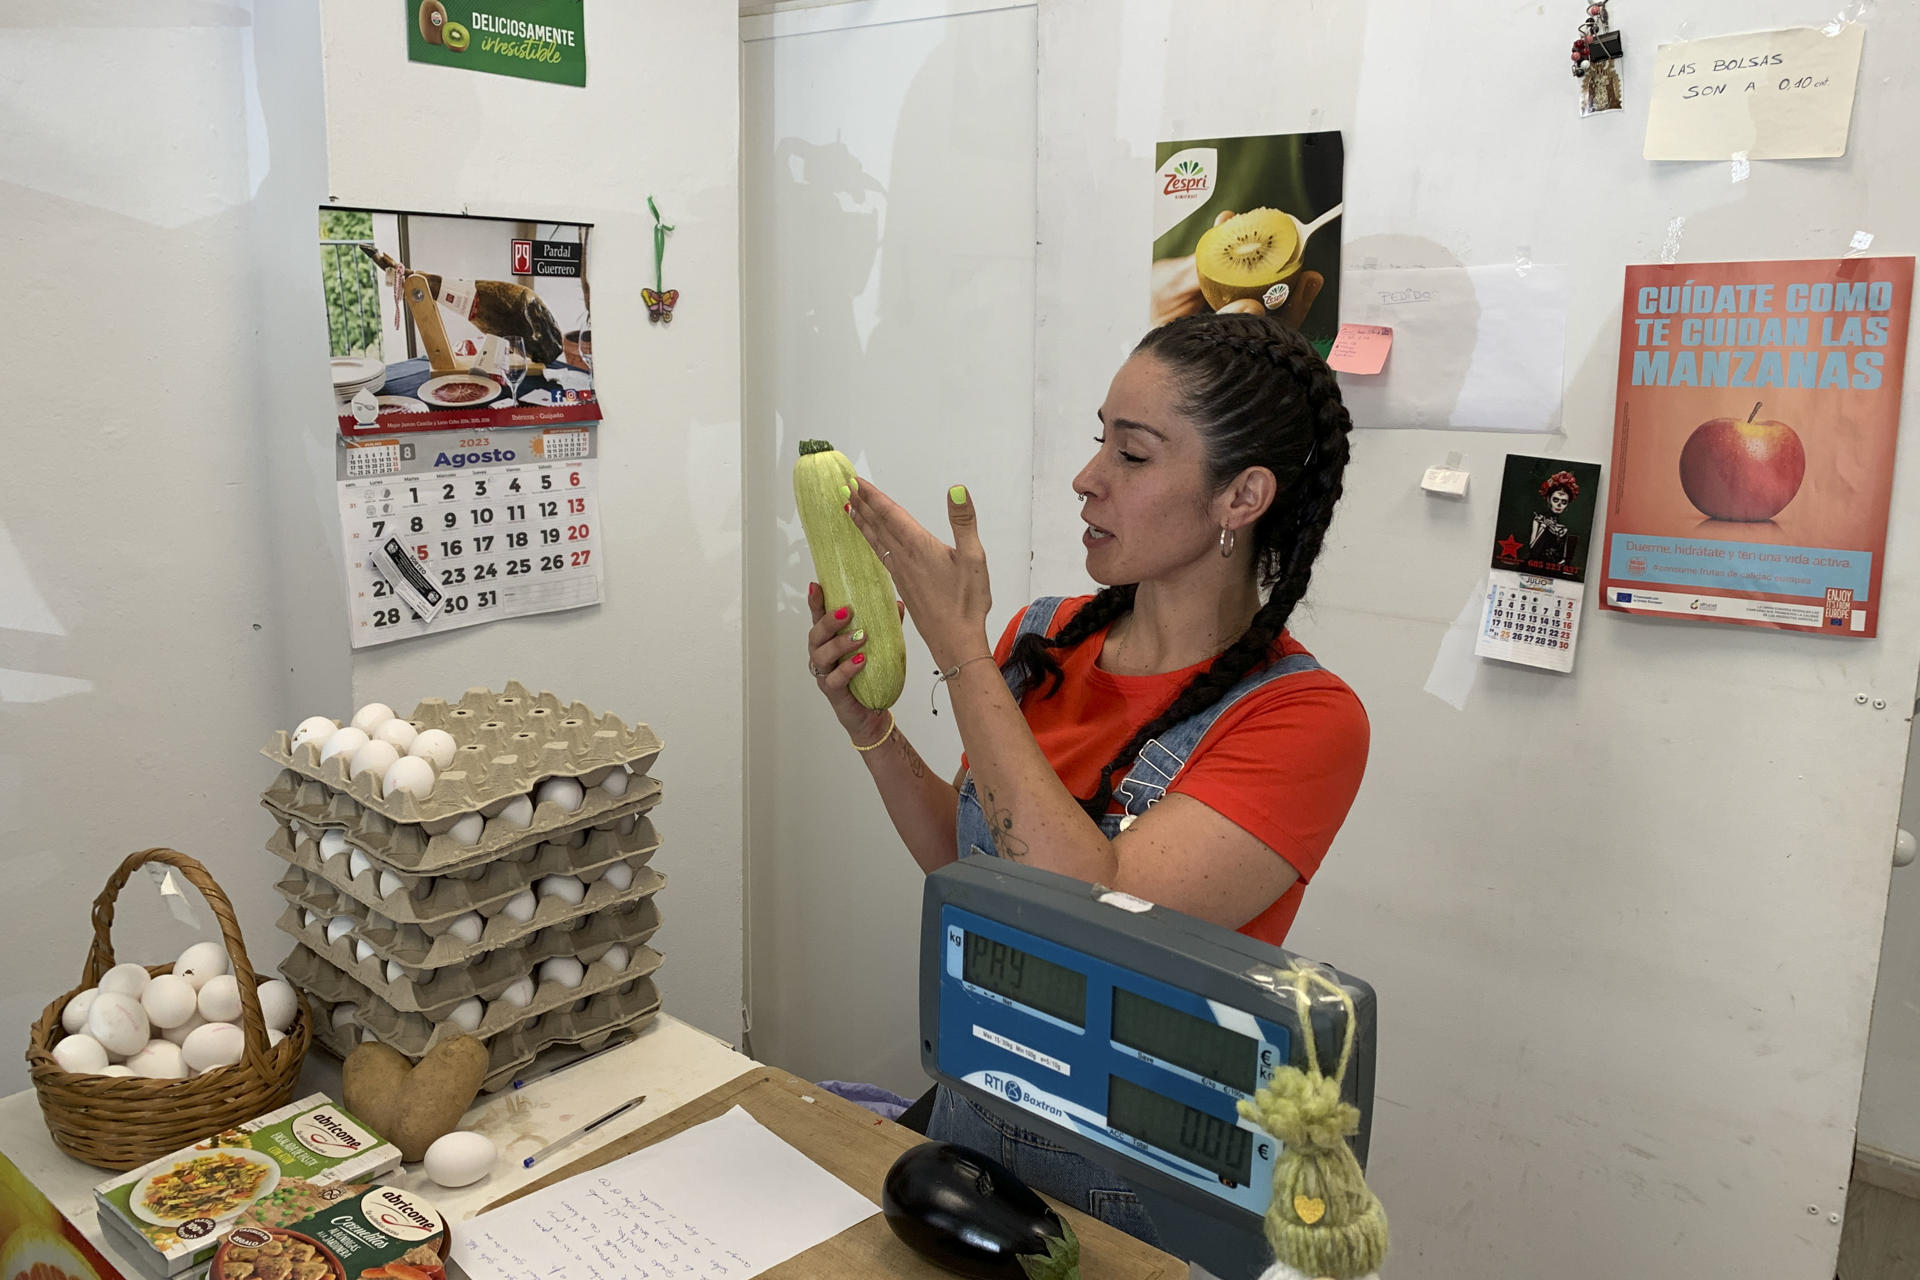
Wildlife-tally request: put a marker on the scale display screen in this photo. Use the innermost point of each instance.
(1007, 971)
(1204, 1048)
(1215, 1144)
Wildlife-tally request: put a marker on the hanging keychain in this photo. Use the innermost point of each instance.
(659, 299)
(1596, 61)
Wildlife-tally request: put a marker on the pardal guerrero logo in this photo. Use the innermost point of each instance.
(327, 1132)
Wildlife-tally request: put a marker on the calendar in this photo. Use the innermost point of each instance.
(1538, 578)
(444, 530)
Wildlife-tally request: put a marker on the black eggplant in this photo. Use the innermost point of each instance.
(971, 1215)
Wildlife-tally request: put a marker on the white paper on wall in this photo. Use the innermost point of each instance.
(1770, 95)
(1474, 348)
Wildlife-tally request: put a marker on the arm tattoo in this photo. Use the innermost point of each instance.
(912, 757)
(1005, 841)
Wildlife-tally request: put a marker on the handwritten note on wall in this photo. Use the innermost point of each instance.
(1772, 95)
(726, 1198)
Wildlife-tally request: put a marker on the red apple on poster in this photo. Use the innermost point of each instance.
(1735, 470)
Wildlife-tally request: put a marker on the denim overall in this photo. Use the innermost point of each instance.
(1042, 1164)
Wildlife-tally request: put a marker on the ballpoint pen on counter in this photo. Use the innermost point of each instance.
(523, 1081)
(581, 1132)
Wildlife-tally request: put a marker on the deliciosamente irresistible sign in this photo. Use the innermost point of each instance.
(532, 39)
(1759, 405)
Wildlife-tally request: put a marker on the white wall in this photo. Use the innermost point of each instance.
(1623, 1027)
(1890, 1092)
(888, 176)
(146, 155)
(659, 116)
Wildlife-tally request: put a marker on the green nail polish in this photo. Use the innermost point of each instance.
(845, 493)
(858, 637)
(957, 495)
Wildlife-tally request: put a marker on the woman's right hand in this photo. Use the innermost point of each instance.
(833, 656)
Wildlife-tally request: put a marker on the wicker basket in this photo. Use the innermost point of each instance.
(124, 1122)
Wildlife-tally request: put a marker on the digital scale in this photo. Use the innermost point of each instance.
(1127, 1033)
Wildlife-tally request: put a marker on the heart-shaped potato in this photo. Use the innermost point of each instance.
(408, 1105)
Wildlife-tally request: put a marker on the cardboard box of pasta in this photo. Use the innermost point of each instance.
(170, 1216)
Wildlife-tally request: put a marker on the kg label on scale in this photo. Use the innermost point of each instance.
(445, 530)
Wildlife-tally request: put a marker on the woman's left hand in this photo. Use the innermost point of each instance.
(944, 587)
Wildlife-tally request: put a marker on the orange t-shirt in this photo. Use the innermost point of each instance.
(1284, 764)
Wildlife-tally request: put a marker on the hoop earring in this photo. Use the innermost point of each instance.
(1227, 540)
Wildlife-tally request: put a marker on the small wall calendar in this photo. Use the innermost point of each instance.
(448, 529)
(1538, 578)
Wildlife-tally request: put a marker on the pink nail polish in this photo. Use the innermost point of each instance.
(848, 508)
(842, 613)
(859, 659)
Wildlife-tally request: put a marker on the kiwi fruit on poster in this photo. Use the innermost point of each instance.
(1250, 224)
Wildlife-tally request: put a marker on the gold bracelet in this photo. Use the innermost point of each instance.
(879, 741)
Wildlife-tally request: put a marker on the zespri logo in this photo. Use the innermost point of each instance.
(1186, 176)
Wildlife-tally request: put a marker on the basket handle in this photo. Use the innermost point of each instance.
(100, 954)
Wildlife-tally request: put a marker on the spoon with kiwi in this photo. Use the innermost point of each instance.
(1247, 254)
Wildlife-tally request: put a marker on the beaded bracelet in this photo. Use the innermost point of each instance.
(879, 741)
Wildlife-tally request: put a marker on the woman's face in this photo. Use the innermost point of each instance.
(1559, 500)
(1148, 503)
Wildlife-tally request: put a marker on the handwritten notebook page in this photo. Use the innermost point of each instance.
(725, 1198)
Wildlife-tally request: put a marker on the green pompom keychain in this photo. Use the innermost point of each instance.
(1325, 1223)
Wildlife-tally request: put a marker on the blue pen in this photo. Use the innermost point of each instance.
(581, 1132)
(619, 1043)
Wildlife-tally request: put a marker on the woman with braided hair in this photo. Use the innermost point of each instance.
(1166, 736)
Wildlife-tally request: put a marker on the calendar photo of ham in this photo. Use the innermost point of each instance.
(443, 323)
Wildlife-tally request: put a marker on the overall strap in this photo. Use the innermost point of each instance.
(1037, 620)
(1162, 758)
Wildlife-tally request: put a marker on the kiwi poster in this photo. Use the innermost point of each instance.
(1754, 432)
(443, 323)
(532, 39)
(1250, 224)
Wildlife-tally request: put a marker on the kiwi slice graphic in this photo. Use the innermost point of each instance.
(457, 37)
(1246, 255)
(433, 16)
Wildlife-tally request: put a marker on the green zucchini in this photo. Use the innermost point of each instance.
(849, 572)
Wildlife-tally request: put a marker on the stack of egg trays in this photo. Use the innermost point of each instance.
(508, 743)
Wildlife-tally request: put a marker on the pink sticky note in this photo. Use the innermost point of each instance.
(1361, 348)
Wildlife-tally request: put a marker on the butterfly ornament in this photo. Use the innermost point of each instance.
(659, 299)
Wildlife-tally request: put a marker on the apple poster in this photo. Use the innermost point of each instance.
(1758, 409)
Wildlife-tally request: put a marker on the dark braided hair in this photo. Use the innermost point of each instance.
(1261, 397)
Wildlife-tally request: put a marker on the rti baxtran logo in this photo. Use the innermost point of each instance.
(1187, 178)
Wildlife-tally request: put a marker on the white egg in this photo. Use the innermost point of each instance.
(436, 746)
(342, 742)
(80, 1054)
(566, 888)
(391, 884)
(160, 1060)
(220, 999)
(374, 758)
(127, 979)
(520, 994)
(461, 1158)
(313, 729)
(372, 716)
(620, 876)
(169, 1000)
(344, 1015)
(218, 1044)
(73, 1018)
(520, 907)
(362, 949)
(616, 783)
(398, 733)
(395, 971)
(333, 843)
(565, 970)
(467, 926)
(467, 1014)
(617, 957)
(118, 1022)
(518, 813)
(201, 961)
(467, 830)
(367, 1036)
(307, 917)
(279, 1006)
(410, 774)
(339, 927)
(274, 1037)
(179, 1034)
(358, 862)
(565, 792)
(116, 1069)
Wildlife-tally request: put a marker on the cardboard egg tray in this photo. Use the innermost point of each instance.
(505, 744)
(408, 848)
(435, 992)
(628, 1007)
(448, 898)
(414, 948)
